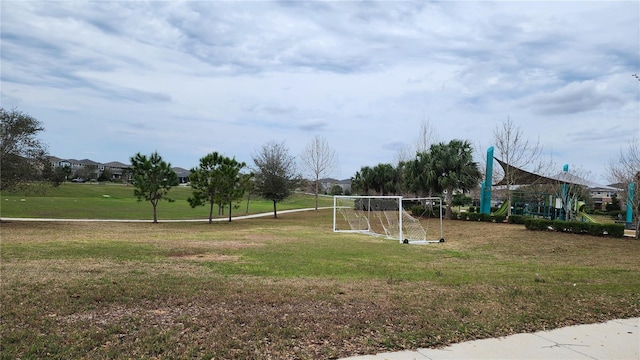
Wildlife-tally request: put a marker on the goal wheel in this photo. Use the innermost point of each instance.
(441, 239)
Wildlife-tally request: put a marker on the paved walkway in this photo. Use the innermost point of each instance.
(615, 339)
(216, 219)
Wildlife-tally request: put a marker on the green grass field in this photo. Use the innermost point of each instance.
(291, 288)
(116, 201)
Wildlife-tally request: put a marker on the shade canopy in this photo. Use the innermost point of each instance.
(523, 177)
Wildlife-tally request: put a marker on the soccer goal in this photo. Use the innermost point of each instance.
(386, 216)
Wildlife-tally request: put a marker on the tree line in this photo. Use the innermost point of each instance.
(437, 168)
(218, 180)
(441, 169)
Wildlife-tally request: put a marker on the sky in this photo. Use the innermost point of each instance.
(109, 79)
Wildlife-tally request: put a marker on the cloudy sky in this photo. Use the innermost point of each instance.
(109, 79)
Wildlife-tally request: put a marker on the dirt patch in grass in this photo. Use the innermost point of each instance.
(208, 257)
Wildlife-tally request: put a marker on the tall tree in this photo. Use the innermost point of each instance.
(152, 178)
(451, 168)
(625, 170)
(275, 173)
(205, 182)
(232, 182)
(513, 148)
(23, 157)
(361, 182)
(422, 177)
(384, 179)
(427, 136)
(318, 160)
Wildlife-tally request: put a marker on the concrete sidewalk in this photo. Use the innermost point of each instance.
(615, 339)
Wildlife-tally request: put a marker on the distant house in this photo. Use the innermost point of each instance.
(56, 162)
(89, 169)
(183, 174)
(601, 195)
(328, 183)
(117, 169)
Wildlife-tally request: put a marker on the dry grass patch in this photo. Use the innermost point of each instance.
(292, 289)
(209, 257)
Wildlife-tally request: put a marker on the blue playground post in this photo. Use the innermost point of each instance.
(482, 185)
(630, 196)
(565, 196)
(485, 196)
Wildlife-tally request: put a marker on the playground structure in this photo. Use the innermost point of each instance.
(563, 203)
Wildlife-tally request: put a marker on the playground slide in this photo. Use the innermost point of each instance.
(502, 211)
(587, 217)
(582, 214)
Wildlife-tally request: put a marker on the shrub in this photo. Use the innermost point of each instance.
(416, 210)
(537, 224)
(472, 209)
(419, 211)
(595, 230)
(614, 230)
(498, 218)
(474, 216)
(517, 219)
(575, 227)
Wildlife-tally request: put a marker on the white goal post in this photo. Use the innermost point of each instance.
(386, 216)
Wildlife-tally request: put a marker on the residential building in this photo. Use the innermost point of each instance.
(89, 169)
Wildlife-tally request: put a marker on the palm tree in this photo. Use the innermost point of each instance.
(384, 178)
(422, 177)
(450, 168)
(362, 180)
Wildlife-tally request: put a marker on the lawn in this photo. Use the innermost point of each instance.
(291, 288)
(116, 201)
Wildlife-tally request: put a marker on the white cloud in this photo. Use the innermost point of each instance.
(185, 78)
(575, 97)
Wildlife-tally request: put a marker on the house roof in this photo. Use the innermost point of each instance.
(181, 172)
(116, 164)
(335, 181)
(88, 162)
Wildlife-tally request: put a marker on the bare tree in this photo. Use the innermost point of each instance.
(318, 160)
(574, 191)
(514, 149)
(625, 170)
(426, 136)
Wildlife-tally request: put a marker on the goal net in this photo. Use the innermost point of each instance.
(388, 216)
